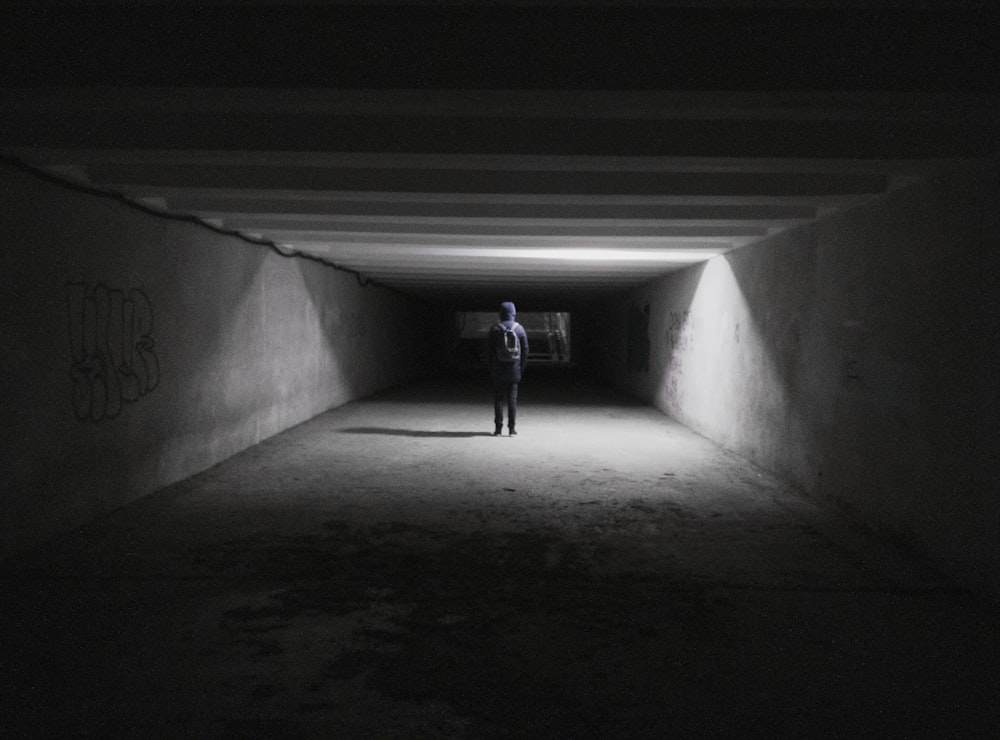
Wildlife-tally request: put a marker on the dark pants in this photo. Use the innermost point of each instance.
(505, 394)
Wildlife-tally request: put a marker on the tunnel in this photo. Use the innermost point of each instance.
(251, 256)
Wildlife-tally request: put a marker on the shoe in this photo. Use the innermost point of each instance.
(498, 431)
(512, 433)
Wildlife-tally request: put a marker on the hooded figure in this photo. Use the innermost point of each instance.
(506, 373)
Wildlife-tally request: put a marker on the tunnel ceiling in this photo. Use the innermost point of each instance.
(553, 193)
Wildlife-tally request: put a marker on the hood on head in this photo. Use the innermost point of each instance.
(507, 311)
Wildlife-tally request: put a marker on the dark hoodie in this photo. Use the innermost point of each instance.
(506, 372)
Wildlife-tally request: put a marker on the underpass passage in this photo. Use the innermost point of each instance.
(390, 569)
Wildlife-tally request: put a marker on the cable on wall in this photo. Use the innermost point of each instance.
(189, 218)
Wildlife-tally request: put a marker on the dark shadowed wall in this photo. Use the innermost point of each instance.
(856, 357)
(139, 351)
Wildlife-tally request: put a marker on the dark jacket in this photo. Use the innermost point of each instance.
(500, 371)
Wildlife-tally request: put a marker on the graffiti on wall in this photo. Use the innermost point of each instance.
(679, 338)
(112, 349)
(680, 330)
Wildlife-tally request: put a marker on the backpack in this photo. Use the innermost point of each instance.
(509, 347)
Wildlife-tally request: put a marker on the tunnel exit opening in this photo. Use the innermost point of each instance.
(549, 337)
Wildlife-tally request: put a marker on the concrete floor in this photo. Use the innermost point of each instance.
(389, 569)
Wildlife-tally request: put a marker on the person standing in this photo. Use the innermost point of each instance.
(507, 350)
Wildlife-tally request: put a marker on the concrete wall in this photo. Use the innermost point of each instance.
(856, 357)
(218, 344)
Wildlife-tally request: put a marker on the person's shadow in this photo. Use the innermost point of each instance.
(410, 432)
